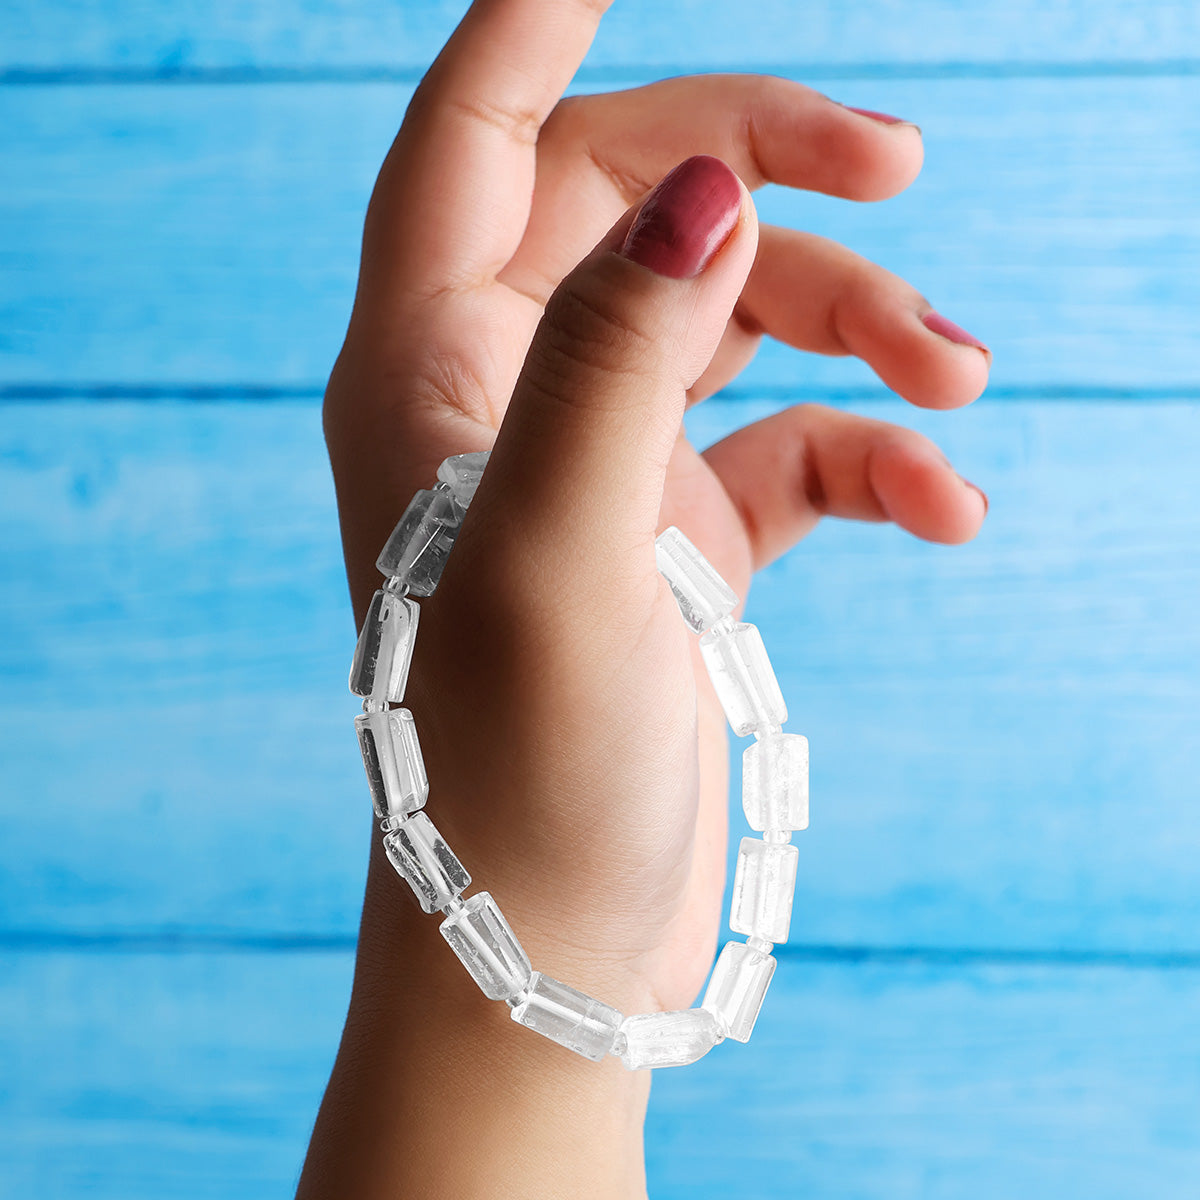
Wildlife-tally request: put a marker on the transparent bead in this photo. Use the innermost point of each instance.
(462, 473)
(763, 889)
(742, 676)
(775, 782)
(384, 650)
(421, 542)
(737, 987)
(420, 854)
(668, 1039)
(392, 759)
(568, 1017)
(702, 595)
(488, 948)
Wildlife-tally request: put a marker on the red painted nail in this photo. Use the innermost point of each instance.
(951, 332)
(686, 219)
(886, 118)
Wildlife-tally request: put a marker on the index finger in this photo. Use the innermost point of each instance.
(454, 193)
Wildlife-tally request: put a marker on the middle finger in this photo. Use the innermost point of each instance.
(597, 154)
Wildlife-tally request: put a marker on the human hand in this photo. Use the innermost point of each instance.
(576, 753)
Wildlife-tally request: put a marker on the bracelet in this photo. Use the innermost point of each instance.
(774, 795)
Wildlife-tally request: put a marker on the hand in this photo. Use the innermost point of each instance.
(576, 753)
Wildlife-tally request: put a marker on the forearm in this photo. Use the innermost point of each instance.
(437, 1093)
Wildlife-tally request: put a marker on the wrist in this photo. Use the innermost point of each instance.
(437, 1092)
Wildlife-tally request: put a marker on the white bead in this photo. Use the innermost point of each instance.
(462, 473)
(742, 677)
(568, 1017)
(392, 759)
(668, 1039)
(763, 890)
(775, 782)
(424, 860)
(488, 948)
(418, 548)
(737, 987)
(702, 595)
(384, 650)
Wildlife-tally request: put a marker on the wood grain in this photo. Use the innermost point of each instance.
(1003, 746)
(190, 35)
(163, 1076)
(216, 239)
(993, 983)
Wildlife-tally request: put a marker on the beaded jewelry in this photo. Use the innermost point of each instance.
(774, 795)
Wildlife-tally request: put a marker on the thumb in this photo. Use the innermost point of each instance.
(582, 453)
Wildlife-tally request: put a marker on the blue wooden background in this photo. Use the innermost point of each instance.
(994, 982)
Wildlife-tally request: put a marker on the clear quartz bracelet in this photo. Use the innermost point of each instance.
(774, 795)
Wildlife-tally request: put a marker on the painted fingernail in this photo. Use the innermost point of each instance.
(976, 488)
(686, 219)
(946, 328)
(885, 118)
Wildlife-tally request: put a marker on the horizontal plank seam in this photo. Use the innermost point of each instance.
(219, 942)
(239, 393)
(82, 75)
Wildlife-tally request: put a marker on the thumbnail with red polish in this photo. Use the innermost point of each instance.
(686, 219)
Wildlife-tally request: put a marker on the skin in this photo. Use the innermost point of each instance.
(577, 754)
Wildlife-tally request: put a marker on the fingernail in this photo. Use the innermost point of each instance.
(982, 493)
(686, 219)
(885, 118)
(951, 332)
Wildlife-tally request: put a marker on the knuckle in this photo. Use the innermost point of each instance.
(518, 123)
(586, 330)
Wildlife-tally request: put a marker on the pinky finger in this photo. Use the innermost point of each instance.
(787, 471)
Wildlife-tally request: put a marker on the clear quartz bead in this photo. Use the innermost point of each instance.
(421, 542)
(421, 856)
(560, 1013)
(737, 987)
(488, 948)
(775, 782)
(461, 473)
(392, 759)
(763, 889)
(702, 595)
(741, 673)
(384, 650)
(668, 1039)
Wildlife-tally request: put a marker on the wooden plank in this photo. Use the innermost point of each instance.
(938, 1083)
(191, 34)
(1004, 749)
(171, 1076)
(168, 1076)
(209, 235)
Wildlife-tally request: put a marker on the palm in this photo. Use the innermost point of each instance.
(660, 683)
(442, 324)
(486, 335)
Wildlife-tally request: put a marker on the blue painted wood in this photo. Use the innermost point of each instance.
(699, 33)
(1003, 746)
(1004, 751)
(215, 239)
(935, 1083)
(174, 1076)
(168, 1076)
